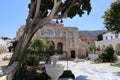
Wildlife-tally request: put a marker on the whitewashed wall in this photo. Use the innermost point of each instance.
(110, 35)
(109, 41)
(106, 43)
(93, 56)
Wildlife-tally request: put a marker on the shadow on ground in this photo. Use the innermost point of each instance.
(82, 77)
(117, 73)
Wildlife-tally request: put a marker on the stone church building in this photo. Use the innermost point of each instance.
(64, 39)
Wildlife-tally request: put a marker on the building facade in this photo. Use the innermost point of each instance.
(64, 39)
(109, 39)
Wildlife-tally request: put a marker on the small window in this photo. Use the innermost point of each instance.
(42, 33)
(88, 42)
(116, 35)
(111, 37)
(106, 38)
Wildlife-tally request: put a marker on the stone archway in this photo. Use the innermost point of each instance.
(60, 48)
(117, 49)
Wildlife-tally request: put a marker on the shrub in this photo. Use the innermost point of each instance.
(117, 65)
(43, 76)
(108, 55)
(92, 48)
(98, 60)
(37, 51)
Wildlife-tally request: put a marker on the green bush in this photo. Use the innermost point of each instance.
(98, 60)
(43, 76)
(37, 51)
(117, 65)
(107, 55)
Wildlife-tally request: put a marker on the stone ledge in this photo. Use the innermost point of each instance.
(7, 73)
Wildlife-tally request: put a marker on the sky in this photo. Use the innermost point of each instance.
(13, 14)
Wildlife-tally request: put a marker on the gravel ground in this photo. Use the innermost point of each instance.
(4, 62)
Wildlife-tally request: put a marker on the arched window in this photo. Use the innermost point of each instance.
(111, 37)
(88, 42)
(116, 35)
(106, 38)
(103, 48)
(98, 48)
(117, 49)
(110, 45)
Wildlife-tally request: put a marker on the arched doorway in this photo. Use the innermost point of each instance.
(60, 48)
(117, 49)
(103, 47)
(111, 45)
(98, 48)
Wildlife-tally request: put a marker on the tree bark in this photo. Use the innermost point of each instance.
(24, 40)
(21, 45)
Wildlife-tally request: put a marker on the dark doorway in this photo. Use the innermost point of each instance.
(60, 48)
(73, 54)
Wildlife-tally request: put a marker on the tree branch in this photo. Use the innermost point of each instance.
(37, 9)
(66, 11)
(44, 12)
(55, 7)
(45, 20)
(63, 7)
(32, 9)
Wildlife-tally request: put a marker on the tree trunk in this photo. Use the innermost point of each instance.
(21, 46)
(24, 40)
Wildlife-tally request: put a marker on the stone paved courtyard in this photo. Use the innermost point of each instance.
(87, 70)
(91, 71)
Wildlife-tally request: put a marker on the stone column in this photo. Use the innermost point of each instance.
(67, 42)
(76, 41)
(55, 45)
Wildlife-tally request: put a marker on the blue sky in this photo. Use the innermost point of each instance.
(14, 13)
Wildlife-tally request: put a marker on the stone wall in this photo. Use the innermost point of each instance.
(67, 36)
(7, 73)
